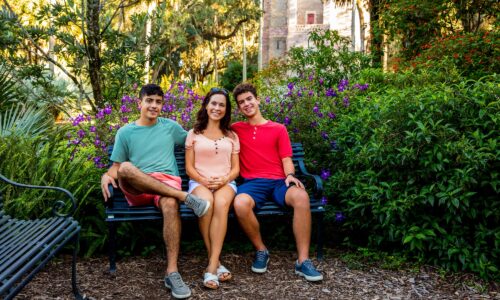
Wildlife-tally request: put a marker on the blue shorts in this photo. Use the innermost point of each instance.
(261, 189)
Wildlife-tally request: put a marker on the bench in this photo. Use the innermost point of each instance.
(26, 246)
(118, 210)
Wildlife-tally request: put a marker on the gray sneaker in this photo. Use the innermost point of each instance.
(179, 289)
(198, 205)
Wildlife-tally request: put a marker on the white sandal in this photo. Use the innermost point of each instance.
(221, 270)
(207, 277)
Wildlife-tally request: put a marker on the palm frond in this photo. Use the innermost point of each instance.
(24, 121)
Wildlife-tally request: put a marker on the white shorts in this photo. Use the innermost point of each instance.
(193, 184)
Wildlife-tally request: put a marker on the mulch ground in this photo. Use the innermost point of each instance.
(142, 278)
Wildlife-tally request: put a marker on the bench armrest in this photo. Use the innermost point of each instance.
(318, 187)
(58, 205)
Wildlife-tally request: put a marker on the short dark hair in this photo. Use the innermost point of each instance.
(149, 90)
(243, 88)
(202, 116)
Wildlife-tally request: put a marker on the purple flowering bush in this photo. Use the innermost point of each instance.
(93, 134)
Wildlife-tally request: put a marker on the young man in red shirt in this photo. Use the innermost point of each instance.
(268, 171)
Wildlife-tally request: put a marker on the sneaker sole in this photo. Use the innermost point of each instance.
(309, 278)
(260, 271)
(177, 296)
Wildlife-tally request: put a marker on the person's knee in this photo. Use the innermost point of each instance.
(300, 200)
(243, 204)
(169, 205)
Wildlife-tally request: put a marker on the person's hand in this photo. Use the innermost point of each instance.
(205, 182)
(105, 181)
(291, 179)
(218, 182)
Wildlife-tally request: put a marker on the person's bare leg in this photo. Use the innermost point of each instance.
(299, 200)
(218, 228)
(243, 207)
(204, 222)
(171, 231)
(138, 182)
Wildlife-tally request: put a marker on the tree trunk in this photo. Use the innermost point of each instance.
(93, 49)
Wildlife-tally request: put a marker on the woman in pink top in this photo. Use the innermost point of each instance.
(212, 163)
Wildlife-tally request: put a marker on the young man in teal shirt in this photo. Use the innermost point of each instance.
(145, 168)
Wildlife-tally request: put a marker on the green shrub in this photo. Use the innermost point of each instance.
(417, 169)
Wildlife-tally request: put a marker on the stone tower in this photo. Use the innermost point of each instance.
(287, 23)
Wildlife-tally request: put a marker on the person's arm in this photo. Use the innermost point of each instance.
(109, 177)
(289, 170)
(190, 169)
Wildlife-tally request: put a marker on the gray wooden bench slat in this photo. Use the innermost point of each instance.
(117, 209)
(26, 246)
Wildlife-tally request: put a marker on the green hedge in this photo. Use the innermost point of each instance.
(417, 168)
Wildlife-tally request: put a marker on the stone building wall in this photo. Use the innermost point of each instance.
(285, 24)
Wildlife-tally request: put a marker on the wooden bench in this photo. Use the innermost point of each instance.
(27, 245)
(118, 210)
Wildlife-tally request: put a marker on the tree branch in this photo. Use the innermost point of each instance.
(47, 57)
(210, 35)
(122, 5)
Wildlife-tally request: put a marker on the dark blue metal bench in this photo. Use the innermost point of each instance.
(118, 210)
(27, 245)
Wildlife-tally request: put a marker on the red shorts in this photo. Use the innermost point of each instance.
(148, 199)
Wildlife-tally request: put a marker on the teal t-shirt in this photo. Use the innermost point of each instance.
(149, 148)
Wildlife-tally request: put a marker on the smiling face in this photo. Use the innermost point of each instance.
(216, 107)
(150, 106)
(248, 104)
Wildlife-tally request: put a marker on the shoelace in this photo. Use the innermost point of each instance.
(176, 280)
(261, 255)
(307, 264)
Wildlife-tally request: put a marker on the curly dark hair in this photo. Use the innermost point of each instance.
(243, 88)
(150, 90)
(202, 116)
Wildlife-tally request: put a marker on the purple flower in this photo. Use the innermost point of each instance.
(287, 121)
(316, 108)
(324, 135)
(126, 99)
(299, 93)
(185, 117)
(324, 200)
(321, 80)
(320, 115)
(134, 86)
(125, 109)
(268, 99)
(97, 160)
(333, 145)
(81, 133)
(291, 85)
(311, 77)
(339, 217)
(97, 142)
(100, 115)
(124, 119)
(173, 118)
(78, 119)
(289, 94)
(295, 130)
(181, 87)
(68, 135)
(111, 128)
(311, 93)
(92, 128)
(330, 93)
(107, 110)
(361, 87)
(314, 124)
(325, 174)
(346, 101)
(331, 115)
(343, 84)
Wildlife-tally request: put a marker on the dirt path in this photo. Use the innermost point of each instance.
(142, 278)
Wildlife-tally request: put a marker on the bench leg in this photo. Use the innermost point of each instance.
(112, 247)
(319, 242)
(76, 245)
